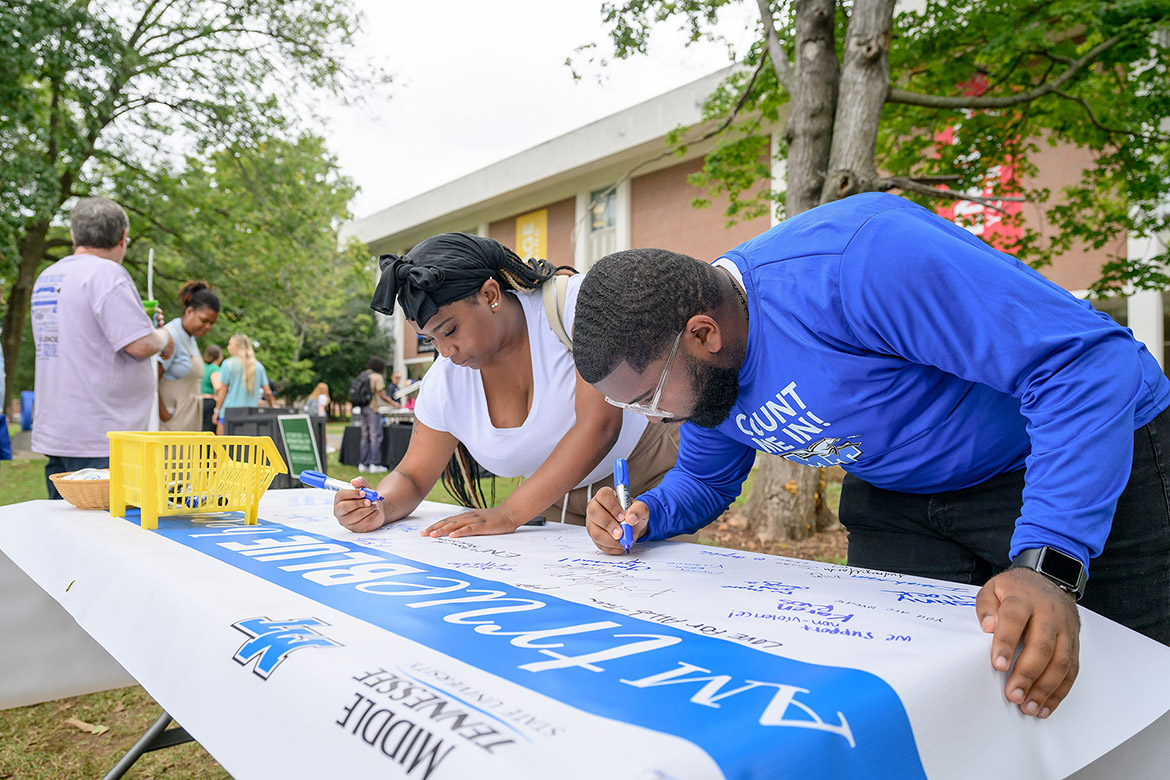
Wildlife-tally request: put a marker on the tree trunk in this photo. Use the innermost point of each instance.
(865, 81)
(787, 501)
(812, 104)
(787, 498)
(32, 252)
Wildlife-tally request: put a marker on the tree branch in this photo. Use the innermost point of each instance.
(704, 137)
(1097, 123)
(911, 185)
(941, 101)
(941, 178)
(157, 20)
(731, 117)
(141, 25)
(775, 51)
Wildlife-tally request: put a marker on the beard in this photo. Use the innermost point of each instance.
(716, 390)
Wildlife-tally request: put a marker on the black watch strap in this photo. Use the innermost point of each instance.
(1064, 570)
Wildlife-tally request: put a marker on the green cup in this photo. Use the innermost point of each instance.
(151, 307)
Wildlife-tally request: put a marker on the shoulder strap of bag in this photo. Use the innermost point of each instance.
(554, 292)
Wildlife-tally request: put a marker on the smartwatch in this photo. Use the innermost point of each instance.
(1064, 570)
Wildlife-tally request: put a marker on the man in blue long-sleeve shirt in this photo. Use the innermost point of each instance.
(996, 430)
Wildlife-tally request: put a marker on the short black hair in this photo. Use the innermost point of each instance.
(633, 303)
(376, 364)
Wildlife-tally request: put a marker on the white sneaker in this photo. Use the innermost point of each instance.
(363, 468)
(378, 469)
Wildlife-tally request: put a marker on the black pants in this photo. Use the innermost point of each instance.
(61, 464)
(965, 535)
(208, 416)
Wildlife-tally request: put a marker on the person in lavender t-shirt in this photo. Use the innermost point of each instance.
(94, 343)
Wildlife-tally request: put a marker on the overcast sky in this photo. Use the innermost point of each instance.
(476, 81)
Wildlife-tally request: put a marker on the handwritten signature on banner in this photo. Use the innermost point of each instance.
(753, 712)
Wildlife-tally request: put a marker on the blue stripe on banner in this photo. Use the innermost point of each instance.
(757, 715)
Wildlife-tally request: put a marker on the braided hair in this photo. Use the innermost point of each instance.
(633, 303)
(444, 269)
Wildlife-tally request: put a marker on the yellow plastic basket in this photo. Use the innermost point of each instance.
(186, 473)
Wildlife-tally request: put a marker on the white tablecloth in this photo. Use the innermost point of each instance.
(297, 649)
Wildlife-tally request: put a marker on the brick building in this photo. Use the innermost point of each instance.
(609, 185)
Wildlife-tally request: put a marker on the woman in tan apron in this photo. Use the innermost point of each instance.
(180, 393)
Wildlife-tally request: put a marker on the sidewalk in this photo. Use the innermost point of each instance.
(22, 445)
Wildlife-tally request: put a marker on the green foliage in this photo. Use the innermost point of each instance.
(339, 350)
(94, 94)
(46, 47)
(260, 224)
(1117, 107)
(741, 158)
(135, 78)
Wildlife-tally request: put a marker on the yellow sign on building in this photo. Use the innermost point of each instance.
(532, 235)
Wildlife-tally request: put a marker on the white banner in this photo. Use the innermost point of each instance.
(44, 654)
(294, 648)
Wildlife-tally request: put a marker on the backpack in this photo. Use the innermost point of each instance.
(554, 292)
(360, 390)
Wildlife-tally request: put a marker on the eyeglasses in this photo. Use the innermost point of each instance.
(652, 409)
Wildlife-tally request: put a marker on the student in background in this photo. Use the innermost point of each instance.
(212, 358)
(180, 385)
(371, 419)
(243, 380)
(317, 403)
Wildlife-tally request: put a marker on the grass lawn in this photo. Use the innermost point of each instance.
(22, 480)
(40, 743)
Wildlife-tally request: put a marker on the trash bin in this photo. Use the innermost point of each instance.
(261, 421)
(395, 439)
(26, 410)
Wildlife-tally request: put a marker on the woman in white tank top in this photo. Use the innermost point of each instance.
(505, 390)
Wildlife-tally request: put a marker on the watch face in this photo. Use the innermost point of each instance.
(1060, 566)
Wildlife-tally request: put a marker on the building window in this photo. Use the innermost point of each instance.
(424, 345)
(603, 209)
(601, 239)
(1116, 306)
(1165, 327)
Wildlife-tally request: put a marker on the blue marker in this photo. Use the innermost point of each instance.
(621, 483)
(318, 480)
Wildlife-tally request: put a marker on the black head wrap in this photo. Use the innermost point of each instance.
(445, 268)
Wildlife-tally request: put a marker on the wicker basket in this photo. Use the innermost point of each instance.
(83, 493)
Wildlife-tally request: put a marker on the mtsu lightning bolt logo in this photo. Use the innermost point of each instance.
(272, 640)
(826, 452)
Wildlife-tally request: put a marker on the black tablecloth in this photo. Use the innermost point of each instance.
(395, 438)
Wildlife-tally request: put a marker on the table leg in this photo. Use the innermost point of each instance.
(156, 737)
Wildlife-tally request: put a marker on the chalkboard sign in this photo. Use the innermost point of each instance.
(300, 446)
